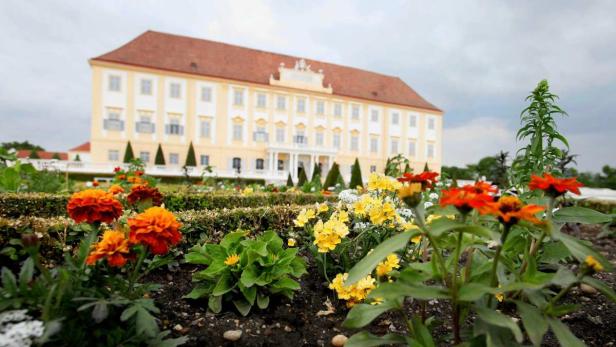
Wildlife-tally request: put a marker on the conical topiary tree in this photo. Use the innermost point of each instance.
(160, 157)
(426, 168)
(289, 180)
(191, 160)
(340, 181)
(128, 153)
(356, 176)
(407, 168)
(302, 178)
(34, 154)
(77, 158)
(316, 171)
(332, 176)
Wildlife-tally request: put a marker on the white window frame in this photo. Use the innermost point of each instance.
(354, 145)
(338, 110)
(374, 116)
(238, 132)
(320, 107)
(238, 97)
(174, 158)
(394, 146)
(374, 145)
(431, 123)
(113, 155)
(430, 150)
(301, 105)
(412, 148)
(204, 159)
(175, 90)
(280, 134)
(144, 156)
(261, 100)
(395, 118)
(319, 138)
(281, 102)
(355, 113)
(205, 128)
(114, 83)
(145, 87)
(413, 121)
(206, 94)
(337, 140)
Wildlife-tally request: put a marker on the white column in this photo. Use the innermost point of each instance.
(271, 163)
(311, 165)
(293, 167)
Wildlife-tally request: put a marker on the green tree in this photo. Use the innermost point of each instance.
(539, 128)
(56, 156)
(16, 145)
(160, 157)
(289, 180)
(77, 158)
(191, 160)
(301, 177)
(34, 154)
(407, 168)
(128, 153)
(426, 168)
(332, 176)
(316, 171)
(356, 179)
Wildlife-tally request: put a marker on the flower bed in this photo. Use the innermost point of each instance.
(13, 205)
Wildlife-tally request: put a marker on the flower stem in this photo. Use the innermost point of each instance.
(133, 277)
(499, 249)
(325, 267)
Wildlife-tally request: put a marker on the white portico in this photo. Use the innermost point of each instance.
(283, 159)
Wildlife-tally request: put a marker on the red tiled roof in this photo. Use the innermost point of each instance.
(25, 153)
(84, 147)
(215, 59)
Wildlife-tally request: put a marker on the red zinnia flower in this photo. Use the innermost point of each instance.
(93, 205)
(143, 192)
(114, 246)
(117, 169)
(554, 186)
(510, 210)
(157, 228)
(426, 178)
(469, 196)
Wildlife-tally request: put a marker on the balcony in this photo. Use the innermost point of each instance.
(174, 129)
(145, 127)
(300, 140)
(113, 124)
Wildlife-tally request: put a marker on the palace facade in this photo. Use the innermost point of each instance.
(251, 113)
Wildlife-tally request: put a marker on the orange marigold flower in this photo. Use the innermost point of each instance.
(143, 192)
(510, 210)
(95, 183)
(114, 246)
(93, 205)
(135, 180)
(554, 186)
(426, 178)
(157, 228)
(138, 173)
(468, 197)
(115, 189)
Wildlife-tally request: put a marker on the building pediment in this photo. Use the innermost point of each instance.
(301, 76)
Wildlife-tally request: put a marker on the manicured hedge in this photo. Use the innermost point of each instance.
(13, 205)
(197, 225)
(604, 206)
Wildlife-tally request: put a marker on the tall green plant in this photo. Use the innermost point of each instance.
(289, 181)
(34, 154)
(191, 160)
(356, 175)
(302, 178)
(539, 128)
(332, 176)
(160, 157)
(128, 153)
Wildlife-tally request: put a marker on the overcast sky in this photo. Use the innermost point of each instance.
(477, 60)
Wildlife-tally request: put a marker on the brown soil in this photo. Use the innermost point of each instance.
(295, 322)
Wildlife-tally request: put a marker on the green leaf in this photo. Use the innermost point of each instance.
(9, 282)
(242, 306)
(286, 283)
(564, 335)
(26, 273)
(249, 276)
(262, 301)
(581, 215)
(422, 334)
(535, 324)
(197, 258)
(474, 291)
(215, 303)
(146, 323)
(224, 284)
(198, 292)
(443, 225)
(417, 291)
(249, 293)
(100, 311)
(365, 339)
(212, 271)
(600, 286)
(493, 317)
(362, 314)
(231, 239)
(298, 267)
(564, 277)
(580, 250)
(370, 261)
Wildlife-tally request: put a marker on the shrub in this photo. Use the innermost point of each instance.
(301, 178)
(332, 176)
(160, 157)
(191, 160)
(356, 179)
(245, 271)
(290, 181)
(316, 173)
(128, 153)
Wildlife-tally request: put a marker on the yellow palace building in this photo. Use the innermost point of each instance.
(251, 113)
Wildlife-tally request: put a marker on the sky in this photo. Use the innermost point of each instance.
(476, 60)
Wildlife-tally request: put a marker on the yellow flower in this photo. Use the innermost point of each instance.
(499, 296)
(291, 242)
(431, 218)
(304, 217)
(388, 265)
(408, 190)
(321, 208)
(381, 214)
(232, 259)
(377, 301)
(416, 239)
(329, 234)
(361, 206)
(593, 263)
(355, 292)
(247, 191)
(381, 182)
(342, 216)
(409, 226)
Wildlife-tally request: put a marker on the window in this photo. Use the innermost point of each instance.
(412, 149)
(174, 158)
(174, 127)
(395, 118)
(372, 168)
(413, 121)
(113, 155)
(281, 102)
(113, 121)
(374, 115)
(336, 141)
(146, 87)
(300, 138)
(394, 147)
(319, 138)
(374, 145)
(175, 90)
(238, 97)
(261, 100)
(205, 160)
(354, 143)
(430, 123)
(145, 125)
(355, 112)
(236, 164)
(115, 83)
(280, 164)
(205, 128)
(237, 132)
(260, 135)
(280, 135)
(260, 164)
(430, 151)
(206, 94)
(145, 157)
(320, 107)
(338, 110)
(301, 105)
